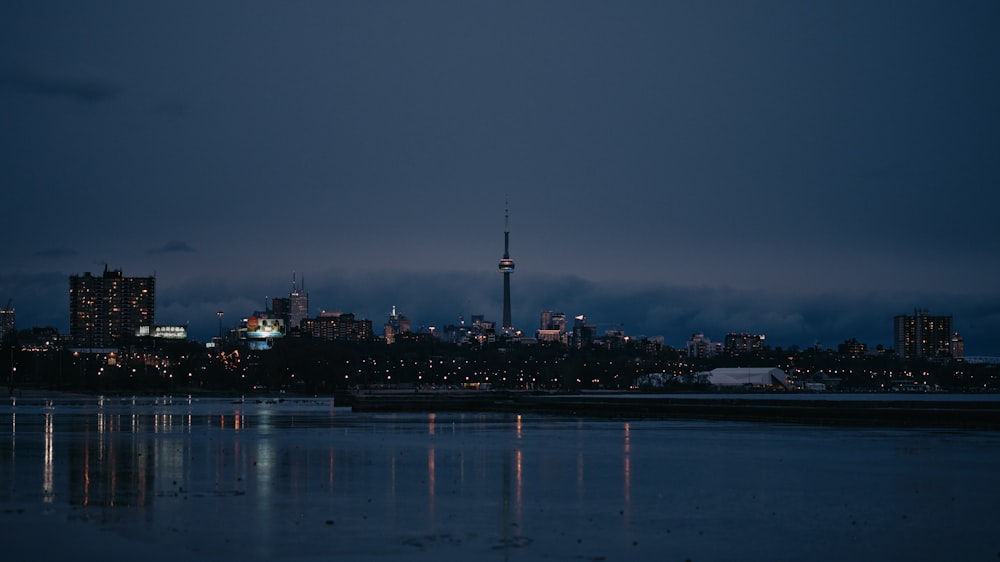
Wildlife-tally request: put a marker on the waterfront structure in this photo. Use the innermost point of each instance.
(506, 267)
(922, 335)
(109, 310)
(748, 376)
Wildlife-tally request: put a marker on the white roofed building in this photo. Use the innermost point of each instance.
(752, 376)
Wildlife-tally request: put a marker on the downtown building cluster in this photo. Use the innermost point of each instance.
(111, 310)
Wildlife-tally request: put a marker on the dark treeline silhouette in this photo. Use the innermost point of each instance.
(307, 366)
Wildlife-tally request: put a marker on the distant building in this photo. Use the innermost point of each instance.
(852, 347)
(957, 346)
(298, 305)
(338, 326)
(748, 377)
(738, 343)
(7, 325)
(109, 310)
(552, 327)
(922, 336)
(700, 346)
(396, 326)
(282, 308)
(584, 334)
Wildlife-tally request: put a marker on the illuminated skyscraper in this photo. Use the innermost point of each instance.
(7, 326)
(506, 267)
(107, 311)
(298, 303)
(922, 335)
(397, 324)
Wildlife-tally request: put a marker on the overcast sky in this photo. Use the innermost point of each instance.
(802, 169)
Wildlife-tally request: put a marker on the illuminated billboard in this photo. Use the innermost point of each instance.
(265, 328)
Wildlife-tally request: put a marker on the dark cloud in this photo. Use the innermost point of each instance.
(171, 109)
(79, 88)
(173, 247)
(674, 312)
(56, 253)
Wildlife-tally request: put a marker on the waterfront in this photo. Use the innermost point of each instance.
(210, 479)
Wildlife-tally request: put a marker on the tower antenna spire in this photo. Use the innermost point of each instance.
(506, 267)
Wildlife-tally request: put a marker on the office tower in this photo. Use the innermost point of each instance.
(109, 310)
(7, 326)
(922, 335)
(298, 301)
(282, 308)
(583, 333)
(506, 267)
(397, 324)
(552, 327)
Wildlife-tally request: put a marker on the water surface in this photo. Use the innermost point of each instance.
(210, 479)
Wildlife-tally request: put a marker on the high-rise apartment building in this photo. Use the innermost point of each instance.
(338, 326)
(743, 343)
(922, 335)
(7, 325)
(108, 310)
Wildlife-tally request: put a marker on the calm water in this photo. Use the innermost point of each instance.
(301, 479)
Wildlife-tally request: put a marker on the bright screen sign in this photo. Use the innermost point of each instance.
(265, 327)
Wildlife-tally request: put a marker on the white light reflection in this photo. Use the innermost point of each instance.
(518, 483)
(628, 468)
(430, 483)
(48, 490)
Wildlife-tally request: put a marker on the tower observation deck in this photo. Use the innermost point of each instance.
(506, 267)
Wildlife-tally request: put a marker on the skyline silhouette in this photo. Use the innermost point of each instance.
(804, 171)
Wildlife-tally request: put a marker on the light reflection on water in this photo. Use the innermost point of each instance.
(274, 477)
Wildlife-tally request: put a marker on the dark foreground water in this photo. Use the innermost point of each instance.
(206, 479)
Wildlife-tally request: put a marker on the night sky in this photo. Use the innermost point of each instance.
(803, 169)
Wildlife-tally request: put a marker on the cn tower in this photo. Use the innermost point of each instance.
(506, 267)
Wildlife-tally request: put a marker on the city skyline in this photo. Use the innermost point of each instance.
(281, 306)
(804, 171)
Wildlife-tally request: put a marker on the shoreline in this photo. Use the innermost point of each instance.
(860, 410)
(872, 412)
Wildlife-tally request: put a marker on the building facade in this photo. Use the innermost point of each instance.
(739, 343)
(7, 325)
(108, 310)
(922, 335)
(338, 326)
(396, 326)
